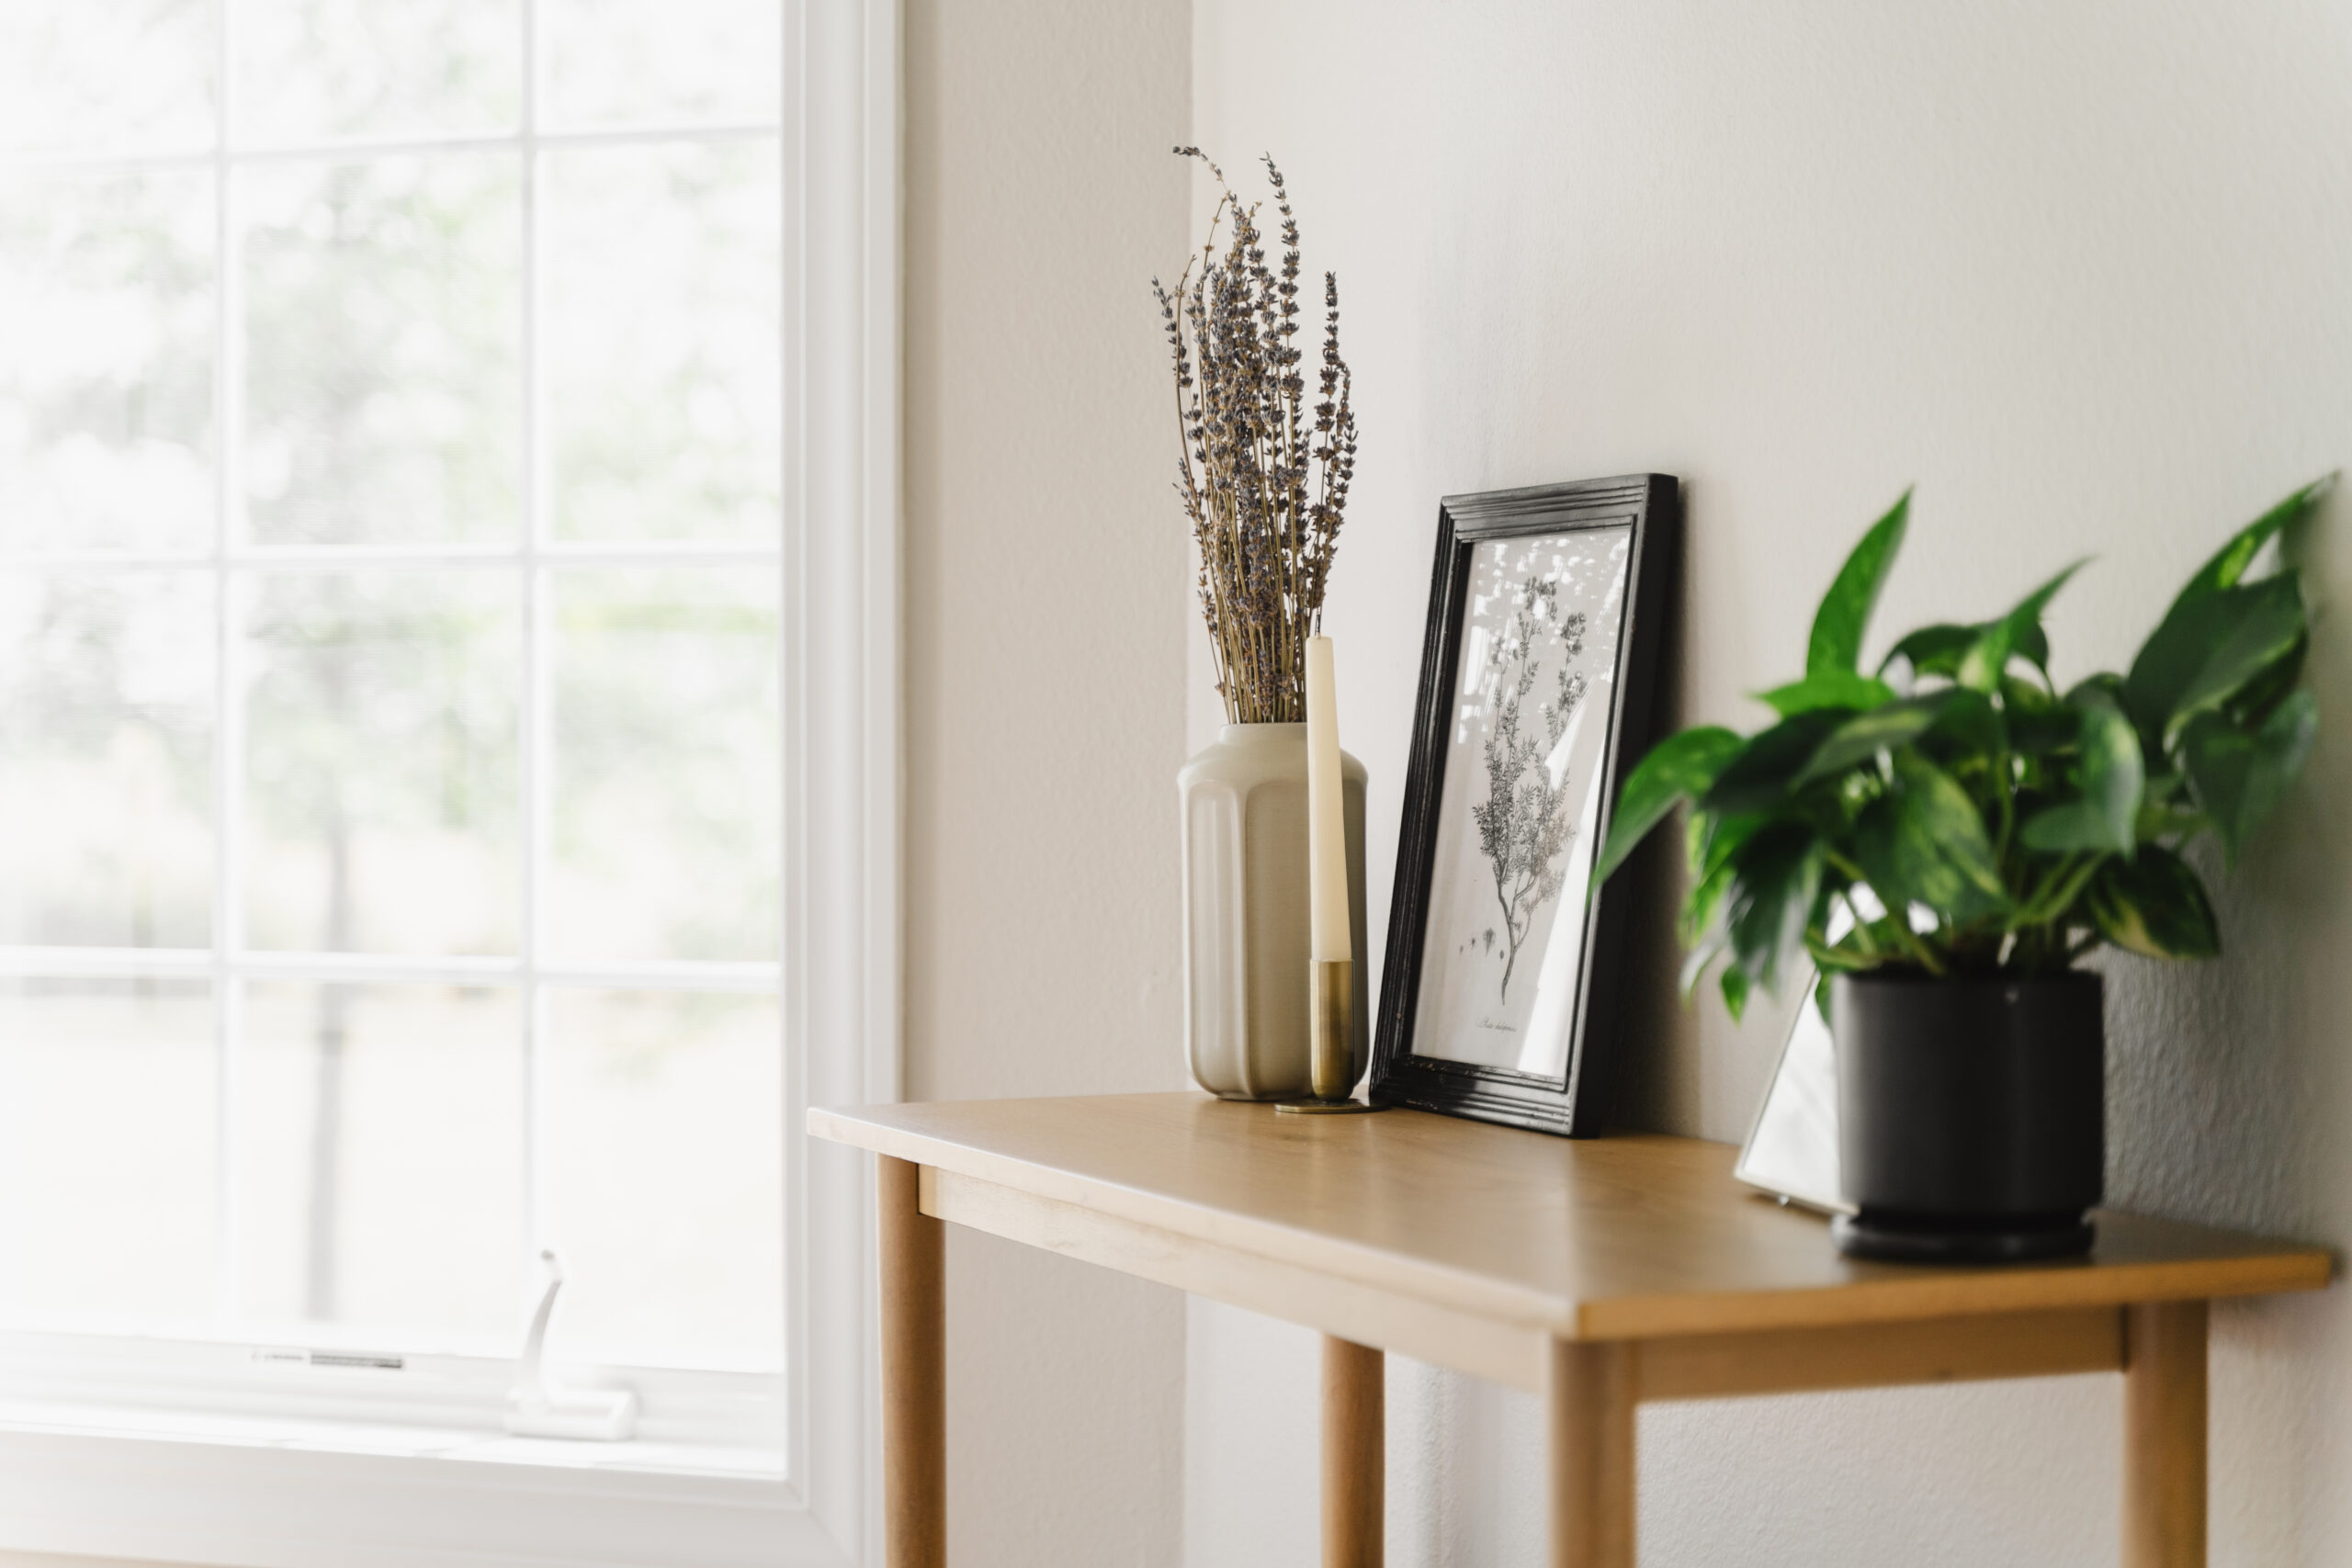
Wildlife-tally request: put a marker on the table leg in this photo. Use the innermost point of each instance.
(1590, 1400)
(1355, 1381)
(2164, 1435)
(914, 1373)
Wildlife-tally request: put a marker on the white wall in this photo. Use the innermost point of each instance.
(1044, 660)
(2080, 270)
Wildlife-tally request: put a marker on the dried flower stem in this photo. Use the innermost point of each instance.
(1263, 474)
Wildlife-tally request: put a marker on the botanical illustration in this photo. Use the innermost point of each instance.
(1526, 760)
(1523, 823)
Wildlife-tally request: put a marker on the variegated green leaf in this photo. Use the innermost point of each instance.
(2154, 905)
(2106, 813)
(1836, 645)
(1678, 768)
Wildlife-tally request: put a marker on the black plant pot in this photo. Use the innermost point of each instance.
(1971, 1115)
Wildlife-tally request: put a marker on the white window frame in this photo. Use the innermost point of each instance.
(178, 1492)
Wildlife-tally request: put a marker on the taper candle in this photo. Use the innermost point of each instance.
(1326, 835)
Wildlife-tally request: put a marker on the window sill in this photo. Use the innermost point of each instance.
(267, 1492)
(386, 1440)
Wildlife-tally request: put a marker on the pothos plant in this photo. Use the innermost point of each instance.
(1952, 812)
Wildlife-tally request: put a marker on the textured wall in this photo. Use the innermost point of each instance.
(1044, 714)
(2079, 270)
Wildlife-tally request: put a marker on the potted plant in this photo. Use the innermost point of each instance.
(1945, 837)
(1266, 451)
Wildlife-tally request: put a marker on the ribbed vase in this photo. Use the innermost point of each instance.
(1246, 943)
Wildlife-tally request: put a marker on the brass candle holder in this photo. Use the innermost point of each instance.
(1330, 1041)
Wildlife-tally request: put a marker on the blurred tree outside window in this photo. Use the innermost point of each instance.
(390, 757)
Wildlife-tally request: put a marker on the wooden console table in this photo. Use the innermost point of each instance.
(1598, 1274)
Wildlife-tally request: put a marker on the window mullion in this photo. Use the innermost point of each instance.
(286, 558)
(229, 691)
(534, 737)
(364, 149)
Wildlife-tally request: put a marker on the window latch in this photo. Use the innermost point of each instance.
(541, 1407)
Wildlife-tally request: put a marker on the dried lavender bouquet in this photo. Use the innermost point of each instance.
(1264, 475)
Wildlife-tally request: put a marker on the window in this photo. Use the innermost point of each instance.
(408, 855)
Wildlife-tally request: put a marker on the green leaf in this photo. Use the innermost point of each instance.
(2229, 564)
(1701, 956)
(1938, 650)
(1834, 689)
(2163, 670)
(2112, 781)
(1932, 651)
(2102, 690)
(2033, 646)
(2271, 631)
(2049, 905)
(1923, 843)
(1843, 956)
(1758, 778)
(2158, 822)
(1735, 985)
(1704, 905)
(2018, 632)
(2241, 776)
(1715, 842)
(2037, 732)
(1821, 995)
(2153, 904)
(2020, 696)
(2070, 825)
(2258, 697)
(2208, 649)
(1678, 767)
(1724, 839)
(1938, 806)
(1836, 645)
(1698, 827)
(1864, 735)
(1967, 726)
(1772, 899)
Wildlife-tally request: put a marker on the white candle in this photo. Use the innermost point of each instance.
(1327, 833)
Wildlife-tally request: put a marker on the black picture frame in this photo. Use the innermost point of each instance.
(1576, 1103)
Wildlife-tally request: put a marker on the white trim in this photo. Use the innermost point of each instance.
(215, 1502)
(841, 719)
(347, 1393)
(74, 1487)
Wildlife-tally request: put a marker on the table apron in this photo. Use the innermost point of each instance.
(1511, 1354)
(2031, 1343)
(2040, 1343)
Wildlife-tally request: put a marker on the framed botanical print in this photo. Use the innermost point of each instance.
(1501, 995)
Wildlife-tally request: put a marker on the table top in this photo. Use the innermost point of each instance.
(1623, 1237)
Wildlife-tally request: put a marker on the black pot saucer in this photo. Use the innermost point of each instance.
(1873, 1238)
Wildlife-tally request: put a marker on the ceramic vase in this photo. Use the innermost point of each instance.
(1244, 800)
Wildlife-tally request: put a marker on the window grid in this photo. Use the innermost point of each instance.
(234, 564)
(227, 690)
